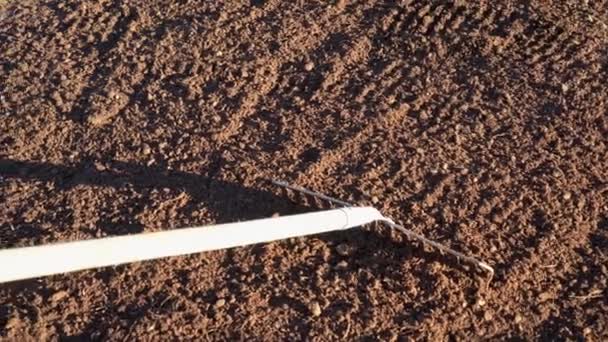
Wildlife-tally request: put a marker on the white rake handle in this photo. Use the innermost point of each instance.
(38, 261)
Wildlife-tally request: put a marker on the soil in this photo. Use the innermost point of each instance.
(480, 124)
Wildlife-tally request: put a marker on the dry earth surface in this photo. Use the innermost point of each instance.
(481, 124)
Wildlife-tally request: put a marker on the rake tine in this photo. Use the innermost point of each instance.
(311, 193)
(442, 248)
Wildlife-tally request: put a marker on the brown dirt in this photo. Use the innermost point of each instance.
(483, 125)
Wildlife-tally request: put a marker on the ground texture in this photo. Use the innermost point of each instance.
(481, 124)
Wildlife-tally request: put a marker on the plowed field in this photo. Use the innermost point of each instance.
(480, 124)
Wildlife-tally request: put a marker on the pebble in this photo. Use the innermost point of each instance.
(315, 309)
(375, 199)
(543, 297)
(343, 249)
(309, 66)
(481, 302)
(57, 296)
(518, 318)
(219, 303)
(147, 150)
(567, 196)
(342, 265)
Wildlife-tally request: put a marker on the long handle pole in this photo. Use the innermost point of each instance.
(31, 262)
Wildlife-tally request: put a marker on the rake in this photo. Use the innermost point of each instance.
(37, 261)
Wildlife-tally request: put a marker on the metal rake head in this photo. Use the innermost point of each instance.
(409, 233)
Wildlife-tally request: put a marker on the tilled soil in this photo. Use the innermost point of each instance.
(481, 124)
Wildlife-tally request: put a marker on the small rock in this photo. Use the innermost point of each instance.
(375, 199)
(315, 309)
(342, 265)
(564, 87)
(481, 302)
(219, 303)
(517, 318)
(343, 249)
(567, 196)
(309, 66)
(146, 150)
(545, 296)
(488, 315)
(57, 296)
